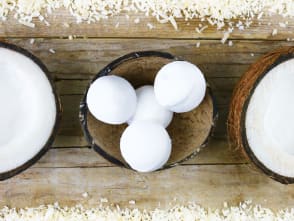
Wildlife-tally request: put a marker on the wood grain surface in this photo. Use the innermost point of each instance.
(70, 168)
(122, 26)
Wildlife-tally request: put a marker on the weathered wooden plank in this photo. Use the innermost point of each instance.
(221, 87)
(72, 158)
(71, 87)
(217, 151)
(127, 28)
(102, 49)
(78, 87)
(211, 71)
(82, 58)
(70, 125)
(206, 185)
(63, 141)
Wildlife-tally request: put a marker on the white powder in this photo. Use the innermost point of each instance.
(28, 110)
(270, 121)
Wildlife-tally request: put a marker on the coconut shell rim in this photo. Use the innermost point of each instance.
(105, 71)
(284, 55)
(50, 140)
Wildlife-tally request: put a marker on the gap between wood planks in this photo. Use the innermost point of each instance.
(141, 38)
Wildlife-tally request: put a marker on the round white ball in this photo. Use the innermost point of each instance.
(148, 109)
(145, 146)
(112, 99)
(192, 101)
(179, 86)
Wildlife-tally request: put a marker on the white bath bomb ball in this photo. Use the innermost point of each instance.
(179, 86)
(145, 146)
(112, 99)
(148, 109)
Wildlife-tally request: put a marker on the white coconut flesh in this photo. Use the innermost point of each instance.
(28, 110)
(270, 121)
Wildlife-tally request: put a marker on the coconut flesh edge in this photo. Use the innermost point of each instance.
(269, 120)
(28, 111)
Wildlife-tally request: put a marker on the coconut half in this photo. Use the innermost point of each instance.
(29, 110)
(261, 120)
(189, 131)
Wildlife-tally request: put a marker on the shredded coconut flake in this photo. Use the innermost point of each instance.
(245, 211)
(26, 23)
(52, 51)
(85, 195)
(65, 24)
(200, 30)
(221, 13)
(132, 202)
(104, 200)
(225, 37)
(137, 21)
(46, 23)
(282, 25)
(32, 41)
(150, 26)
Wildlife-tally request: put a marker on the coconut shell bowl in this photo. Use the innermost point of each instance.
(189, 131)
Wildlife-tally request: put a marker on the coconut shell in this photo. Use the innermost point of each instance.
(46, 147)
(240, 101)
(188, 131)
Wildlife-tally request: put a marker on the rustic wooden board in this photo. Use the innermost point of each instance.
(216, 152)
(215, 175)
(82, 58)
(208, 185)
(75, 63)
(261, 29)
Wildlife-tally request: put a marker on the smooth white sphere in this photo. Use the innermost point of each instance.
(112, 99)
(148, 109)
(192, 101)
(179, 86)
(145, 146)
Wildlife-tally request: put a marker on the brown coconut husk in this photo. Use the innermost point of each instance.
(189, 131)
(239, 104)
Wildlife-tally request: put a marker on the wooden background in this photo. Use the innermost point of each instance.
(70, 168)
